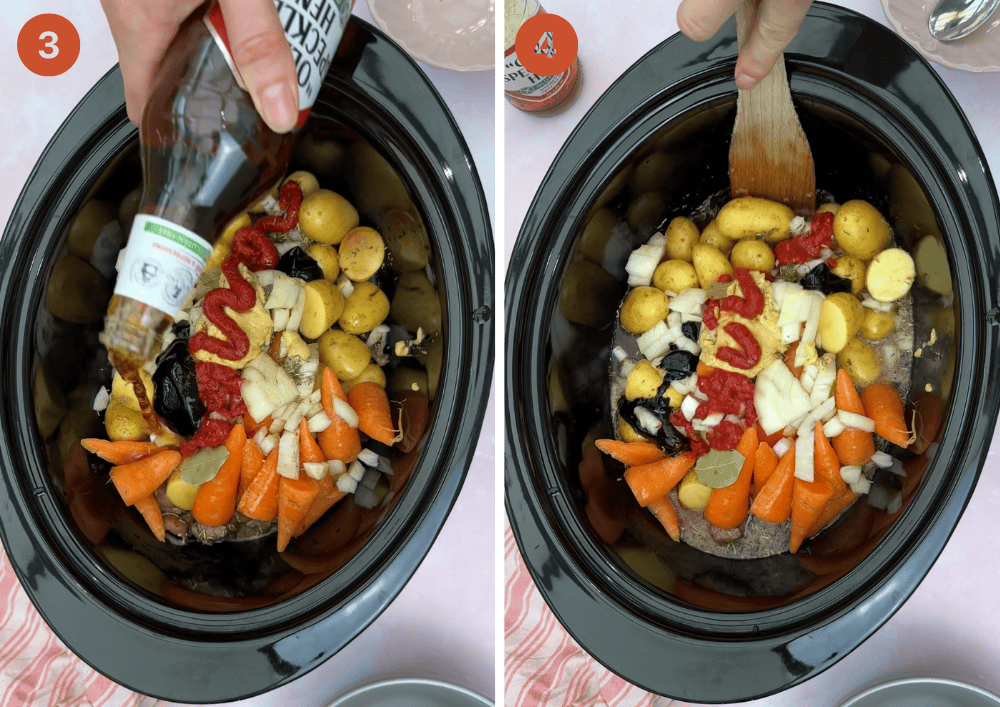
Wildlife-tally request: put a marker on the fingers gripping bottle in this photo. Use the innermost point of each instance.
(206, 155)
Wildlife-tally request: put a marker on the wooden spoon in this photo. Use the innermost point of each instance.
(769, 156)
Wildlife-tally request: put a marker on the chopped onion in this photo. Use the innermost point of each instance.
(812, 326)
(791, 332)
(656, 341)
(102, 399)
(627, 367)
(804, 450)
(689, 406)
(336, 467)
(897, 468)
(356, 471)
(685, 344)
(259, 436)
(315, 470)
(794, 300)
(689, 301)
(895, 502)
(298, 414)
(782, 446)
(685, 385)
(345, 412)
(674, 319)
(345, 285)
(797, 226)
(714, 419)
(268, 444)
(881, 460)
(295, 318)
(288, 455)
(368, 458)
(278, 423)
(365, 497)
(319, 422)
(700, 395)
(833, 428)
(370, 479)
(685, 317)
(873, 303)
(647, 420)
(346, 484)
(850, 474)
(860, 422)
(808, 379)
(619, 353)
(878, 497)
(826, 376)
(862, 486)
(641, 264)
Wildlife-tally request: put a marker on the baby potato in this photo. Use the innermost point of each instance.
(86, 227)
(752, 255)
(128, 208)
(643, 381)
(853, 269)
(646, 210)
(674, 397)
(324, 306)
(860, 230)
(180, 492)
(121, 422)
(829, 208)
(416, 304)
(405, 239)
(327, 217)
(627, 433)
(76, 293)
(840, 318)
(890, 275)
(877, 325)
(860, 361)
(327, 259)
(588, 295)
(50, 402)
(682, 236)
(712, 236)
(124, 392)
(432, 358)
(710, 263)
(365, 309)
(306, 180)
(642, 309)
(371, 374)
(674, 276)
(361, 253)
(931, 262)
(403, 378)
(596, 235)
(652, 172)
(81, 421)
(751, 217)
(345, 353)
(692, 492)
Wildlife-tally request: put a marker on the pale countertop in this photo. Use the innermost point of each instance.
(949, 628)
(442, 625)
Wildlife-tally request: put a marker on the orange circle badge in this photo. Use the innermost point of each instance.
(48, 45)
(546, 45)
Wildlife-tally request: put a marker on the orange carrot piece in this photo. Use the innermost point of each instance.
(729, 506)
(853, 446)
(826, 463)
(765, 461)
(790, 360)
(774, 502)
(631, 453)
(593, 477)
(663, 509)
(260, 501)
(370, 401)
(652, 481)
(837, 503)
(327, 497)
(139, 479)
(809, 498)
(309, 450)
(704, 369)
(295, 496)
(149, 507)
(883, 404)
(770, 439)
(252, 425)
(121, 452)
(251, 462)
(215, 502)
(339, 441)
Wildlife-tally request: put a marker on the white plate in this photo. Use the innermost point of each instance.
(924, 692)
(980, 51)
(451, 34)
(411, 693)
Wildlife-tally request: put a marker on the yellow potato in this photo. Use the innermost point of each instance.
(86, 227)
(674, 397)
(830, 208)
(712, 236)
(180, 492)
(890, 275)
(860, 230)
(361, 253)
(860, 361)
(81, 421)
(646, 210)
(642, 309)
(402, 378)
(345, 353)
(692, 492)
(627, 433)
(675, 276)
(840, 318)
(416, 304)
(123, 391)
(327, 259)
(596, 235)
(853, 269)
(682, 236)
(76, 293)
(932, 265)
(122, 422)
(50, 402)
(877, 325)
(306, 180)
(365, 309)
(406, 240)
(371, 374)
(752, 255)
(710, 263)
(224, 246)
(643, 381)
(753, 217)
(327, 217)
(324, 306)
(587, 296)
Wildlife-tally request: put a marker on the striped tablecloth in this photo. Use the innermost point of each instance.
(37, 669)
(544, 666)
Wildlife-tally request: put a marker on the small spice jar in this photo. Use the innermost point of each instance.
(540, 95)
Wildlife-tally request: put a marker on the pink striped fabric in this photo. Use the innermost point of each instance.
(37, 669)
(543, 665)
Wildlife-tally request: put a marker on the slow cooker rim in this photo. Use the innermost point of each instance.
(519, 509)
(461, 192)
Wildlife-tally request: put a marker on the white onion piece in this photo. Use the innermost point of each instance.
(674, 319)
(370, 479)
(647, 420)
(895, 502)
(336, 467)
(102, 399)
(685, 344)
(315, 470)
(655, 342)
(259, 436)
(714, 419)
(365, 497)
(782, 446)
(686, 385)
(368, 458)
(897, 468)
(278, 423)
(295, 318)
(346, 484)
(689, 301)
(792, 303)
(619, 353)
(297, 415)
(319, 422)
(355, 470)
(826, 376)
(288, 455)
(850, 474)
(804, 450)
(881, 460)
(642, 262)
(689, 406)
(268, 444)
(791, 332)
(797, 226)
(862, 486)
(833, 428)
(878, 497)
(345, 412)
(808, 379)
(860, 422)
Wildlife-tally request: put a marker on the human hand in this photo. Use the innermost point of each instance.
(143, 29)
(776, 24)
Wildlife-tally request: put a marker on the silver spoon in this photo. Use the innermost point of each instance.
(954, 19)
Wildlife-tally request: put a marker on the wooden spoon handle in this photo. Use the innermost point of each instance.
(770, 156)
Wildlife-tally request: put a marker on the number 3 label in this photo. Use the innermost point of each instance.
(48, 45)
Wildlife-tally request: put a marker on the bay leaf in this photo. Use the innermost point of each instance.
(203, 465)
(719, 469)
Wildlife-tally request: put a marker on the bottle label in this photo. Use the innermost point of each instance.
(162, 263)
(313, 29)
(520, 82)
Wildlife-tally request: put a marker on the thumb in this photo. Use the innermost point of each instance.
(264, 59)
(777, 23)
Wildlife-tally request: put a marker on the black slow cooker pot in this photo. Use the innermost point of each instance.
(669, 618)
(258, 623)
